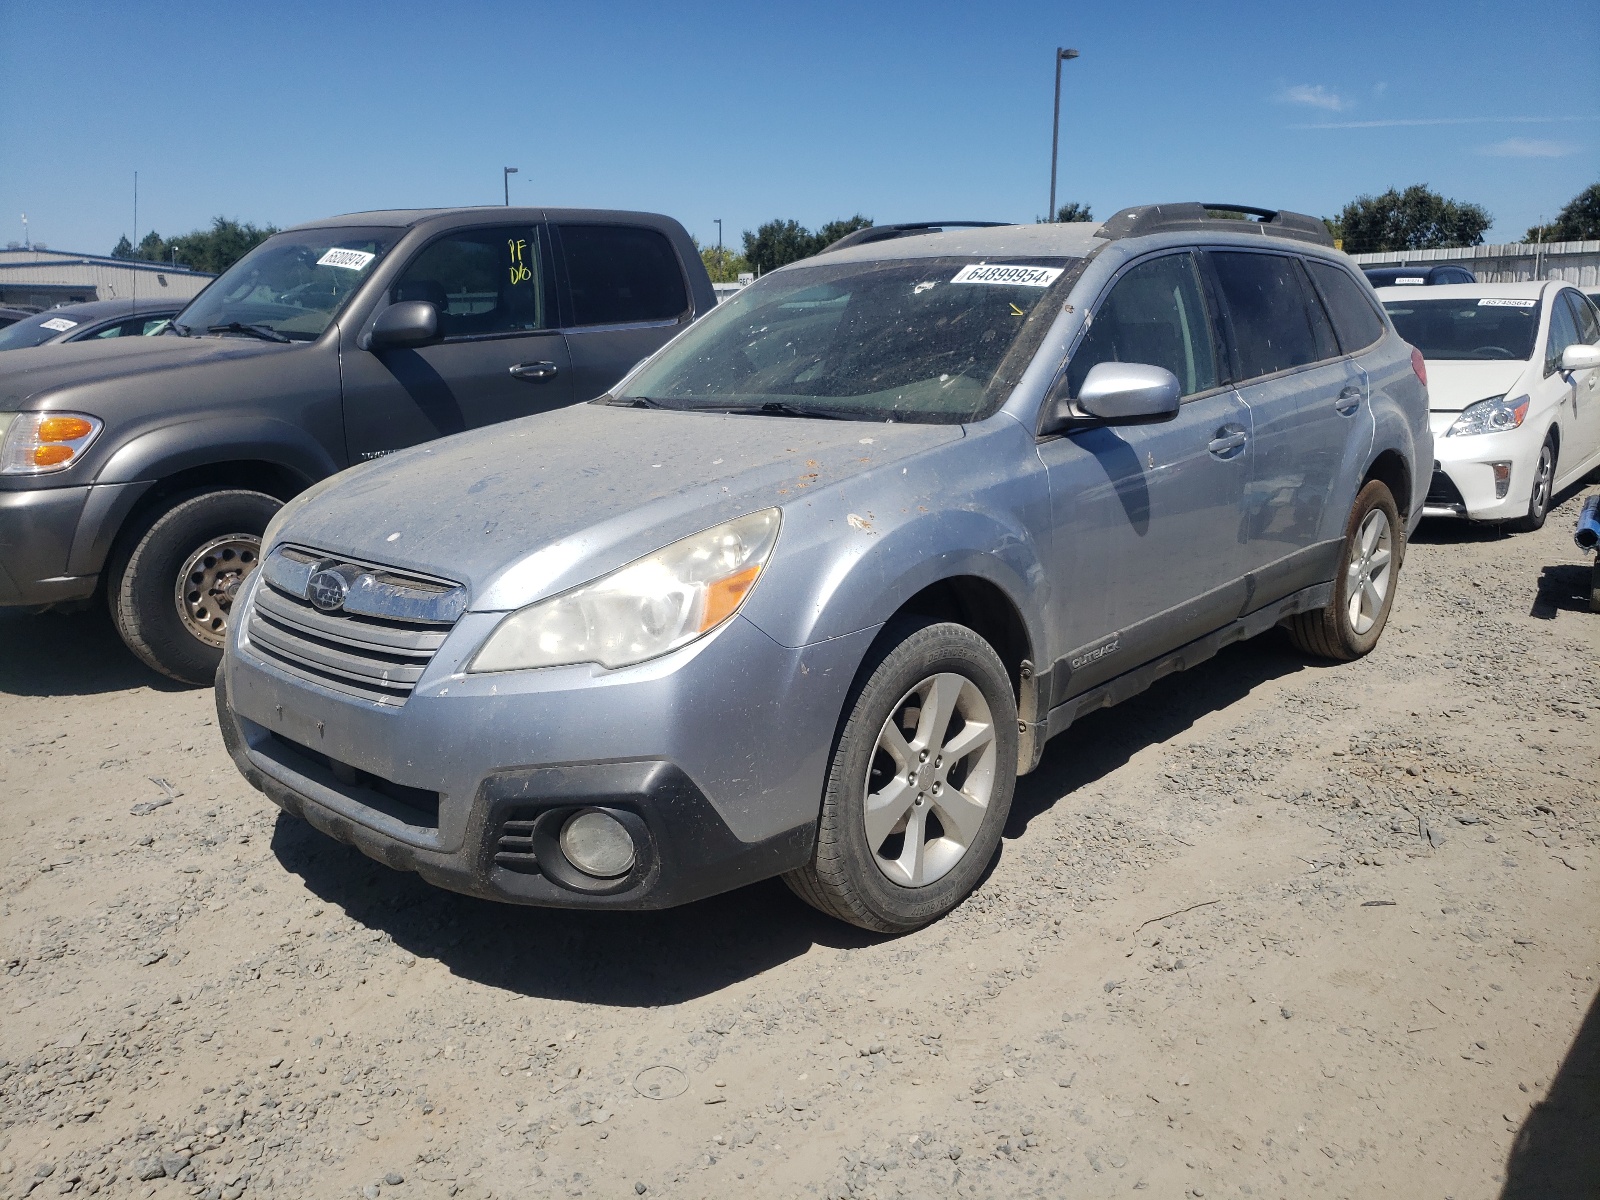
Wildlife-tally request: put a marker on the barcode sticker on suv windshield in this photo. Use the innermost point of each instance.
(1507, 303)
(350, 260)
(59, 324)
(1013, 276)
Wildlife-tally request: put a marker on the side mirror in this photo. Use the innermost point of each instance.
(408, 323)
(1115, 393)
(1579, 357)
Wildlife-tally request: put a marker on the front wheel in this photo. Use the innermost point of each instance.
(174, 577)
(919, 785)
(1544, 486)
(1363, 592)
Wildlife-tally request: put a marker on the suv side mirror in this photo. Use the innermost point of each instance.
(1116, 393)
(407, 323)
(1579, 357)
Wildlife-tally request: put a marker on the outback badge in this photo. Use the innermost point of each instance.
(328, 588)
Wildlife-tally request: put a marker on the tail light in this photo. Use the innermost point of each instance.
(1420, 367)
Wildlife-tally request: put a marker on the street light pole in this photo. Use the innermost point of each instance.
(505, 178)
(718, 220)
(1062, 55)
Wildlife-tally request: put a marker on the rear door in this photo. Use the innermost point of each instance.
(1311, 413)
(500, 353)
(627, 297)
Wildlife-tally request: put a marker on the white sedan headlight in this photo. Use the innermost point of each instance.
(1494, 415)
(640, 611)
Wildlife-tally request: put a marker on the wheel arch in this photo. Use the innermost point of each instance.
(1391, 469)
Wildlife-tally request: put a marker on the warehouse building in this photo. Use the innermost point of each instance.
(38, 278)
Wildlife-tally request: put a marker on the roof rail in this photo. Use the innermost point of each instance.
(882, 233)
(1195, 217)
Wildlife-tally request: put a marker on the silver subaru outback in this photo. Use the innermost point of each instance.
(808, 590)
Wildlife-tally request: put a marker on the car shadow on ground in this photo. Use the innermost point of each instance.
(1563, 588)
(69, 654)
(1556, 1155)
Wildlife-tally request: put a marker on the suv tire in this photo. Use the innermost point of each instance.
(1542, 491)
(212, 539)
(948, 788)
(1363, 591)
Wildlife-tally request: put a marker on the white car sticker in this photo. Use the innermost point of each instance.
(350, 260)
(1507, 303)
(1410, 279)
(1012, 276)
(59, 324)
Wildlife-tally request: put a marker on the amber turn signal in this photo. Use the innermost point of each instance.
(725, 595)
(63, 429)
(51, 456)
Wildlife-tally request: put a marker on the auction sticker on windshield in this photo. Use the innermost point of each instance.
(1013, 276)
(350, 260)
(59, 324)
(1489, 303)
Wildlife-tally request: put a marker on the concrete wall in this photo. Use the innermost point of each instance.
(1512, 262)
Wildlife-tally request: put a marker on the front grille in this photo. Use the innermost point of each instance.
(1443, 493)
(514, 850)
(414, 806)
(356, 653)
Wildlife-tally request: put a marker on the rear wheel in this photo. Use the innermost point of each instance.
(175, 575)
(1544, 486)
(1363, 592)
(919, 786)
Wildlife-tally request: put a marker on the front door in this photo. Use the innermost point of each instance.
(1147, 519)
(1585, 330)
(500, 352)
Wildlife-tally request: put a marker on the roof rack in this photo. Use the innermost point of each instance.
(1194, 217)
(882, 233)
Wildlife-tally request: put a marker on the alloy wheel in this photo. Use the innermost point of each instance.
(1540, 500)
(1370, 572)
(210, 580)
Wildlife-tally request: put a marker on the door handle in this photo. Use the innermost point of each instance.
(1349, 400)
(535, 372)
(1224, 444)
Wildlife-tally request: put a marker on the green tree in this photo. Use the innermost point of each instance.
(834, 230)
(1579, 220)
(778, 243)
(724, 266)
(123, 248)
(1415, 219)
(1073, 211)
(213, 250)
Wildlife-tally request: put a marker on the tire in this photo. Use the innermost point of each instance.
(1542, 491)
(151, 559)
(1344, 631)
(894, 886)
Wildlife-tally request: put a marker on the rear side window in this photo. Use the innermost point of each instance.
(1155, 314)
(482, 282)
(621, 275)
(1354, 319)
(1270, 308)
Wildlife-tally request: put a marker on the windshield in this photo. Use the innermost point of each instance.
(293, 284)
(35, 330)
(1486, 328)
(931, 340)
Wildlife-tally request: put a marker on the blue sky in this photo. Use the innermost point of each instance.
(283, 112)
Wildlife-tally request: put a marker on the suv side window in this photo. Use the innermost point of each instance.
(483, 282)
(1354, 320)
(1155, 314)
(1563, 332)
(621, 275)
(1269, 304)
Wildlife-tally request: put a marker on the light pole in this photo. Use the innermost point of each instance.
(1062, 55)
(718, 220)
(505, 178)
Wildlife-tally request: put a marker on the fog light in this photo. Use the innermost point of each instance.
(1502, 479)
(597, 845)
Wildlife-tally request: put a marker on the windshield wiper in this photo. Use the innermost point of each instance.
(636, 402)
(180, 330)
(781, 408)
(265, 332)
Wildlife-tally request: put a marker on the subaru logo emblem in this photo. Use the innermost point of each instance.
(327, 590)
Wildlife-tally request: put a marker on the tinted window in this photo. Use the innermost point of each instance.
(1269, 307)
(1584, 316)
(1155, 314)
(1354, 319)
(482, 281)
(1488, 327)
(1317, 314)
(621, 274)
(1563, 332)
(134, 327)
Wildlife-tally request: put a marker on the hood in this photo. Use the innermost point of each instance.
(28, 372)
(1454, 384)
(531, 507)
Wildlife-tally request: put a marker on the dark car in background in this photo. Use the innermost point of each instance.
(10, 316)
(147, 468)
(82, 322)
(1417, 275)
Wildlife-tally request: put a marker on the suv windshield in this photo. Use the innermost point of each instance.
(293, 284)
(931, 340)
(1469, 328)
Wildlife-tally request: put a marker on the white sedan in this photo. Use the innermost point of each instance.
(1514, 388)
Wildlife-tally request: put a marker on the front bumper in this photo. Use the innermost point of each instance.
(37, 527)
(1464, 482)
(715, 753)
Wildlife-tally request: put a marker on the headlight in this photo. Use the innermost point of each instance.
(38, 443)
(1494, 415)
(640, 611)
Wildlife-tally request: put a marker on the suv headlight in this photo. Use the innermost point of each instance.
(1494, 415)
(643, 610)
(39, 443)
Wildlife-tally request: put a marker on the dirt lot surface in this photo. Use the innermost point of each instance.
(1270, 929)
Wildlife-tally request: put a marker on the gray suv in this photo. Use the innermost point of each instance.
(810, 588)
(147, 468)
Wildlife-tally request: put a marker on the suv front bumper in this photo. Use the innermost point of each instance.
(37, 527)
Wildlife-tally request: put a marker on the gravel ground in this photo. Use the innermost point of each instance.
(1270, 929)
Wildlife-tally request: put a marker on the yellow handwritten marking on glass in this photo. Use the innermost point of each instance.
(519, 267)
